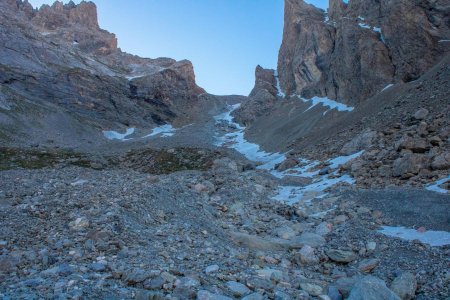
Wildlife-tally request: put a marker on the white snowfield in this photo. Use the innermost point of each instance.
(325, 102)
(114, 135)
(432, 238)
(280, 91)
(288, 194)
(387, 87)
(434, 187)
(164, 131)
(237, 141)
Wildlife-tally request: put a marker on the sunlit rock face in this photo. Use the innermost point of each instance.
(357, 48)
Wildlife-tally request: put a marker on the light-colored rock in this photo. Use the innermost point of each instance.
(237, 288)
(312, 289)
(341, 256)
(324, 228)
(405, 286)
(441, 161)
(361, 142)
(79, 224)
(371, 288)
(212, 269)
(421, 114)
(205, 295)
(409, 165)
(254, 296)
(307, 238)
(307, 256)
(367, 265)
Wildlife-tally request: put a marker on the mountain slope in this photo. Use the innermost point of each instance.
(64, 80)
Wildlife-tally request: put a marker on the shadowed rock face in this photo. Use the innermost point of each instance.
(358, 48)
(62, 75)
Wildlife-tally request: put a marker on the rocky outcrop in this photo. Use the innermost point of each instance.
(63, 76)
(262, 97)
(76, 24)
(354, 51)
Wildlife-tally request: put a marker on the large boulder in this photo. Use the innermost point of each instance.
(441, 161)
(410, 164)
(371, 288)
(360, 142)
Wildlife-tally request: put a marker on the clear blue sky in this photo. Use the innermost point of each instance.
(225, 39)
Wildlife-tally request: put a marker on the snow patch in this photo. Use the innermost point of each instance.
(237, 141)
(291, 194)
(164, 130)
(288, 194)
(280, 91)
(331, 104)
(134, 77)
(387, 87)
(362, 25)
(114, 135)
(434, 187)
(444, 41)
(432, 238)
(79, 182)
(340, 160)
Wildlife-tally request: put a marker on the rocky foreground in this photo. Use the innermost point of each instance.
(211, 232)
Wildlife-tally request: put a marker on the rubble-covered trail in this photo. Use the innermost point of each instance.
(70, 232)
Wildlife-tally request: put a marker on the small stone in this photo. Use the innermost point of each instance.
(135, 276)
(97, 267)
(212, 269)
(421, 114)
(405, 286)
(148, 295)
(312, 289)
(340, 219)
(3, 244)
(307, 238)
(205, 295)
(154, 283)
(79, 223)
(96, 165)
(341, 256)
(168, 277)
(371, 246)
(333, 293)
(367, 265)
(307, 256)
(269, 273)
(200, 188)
(285, 232)
(324, 228)
(254, 296)
(238, 289)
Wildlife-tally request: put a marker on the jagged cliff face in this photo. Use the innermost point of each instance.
(358, 48)
(61, 74)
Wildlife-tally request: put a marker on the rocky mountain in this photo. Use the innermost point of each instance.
(355, 77)
(261, 99)
(354, 50)
(64, 79)
(327, 184)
